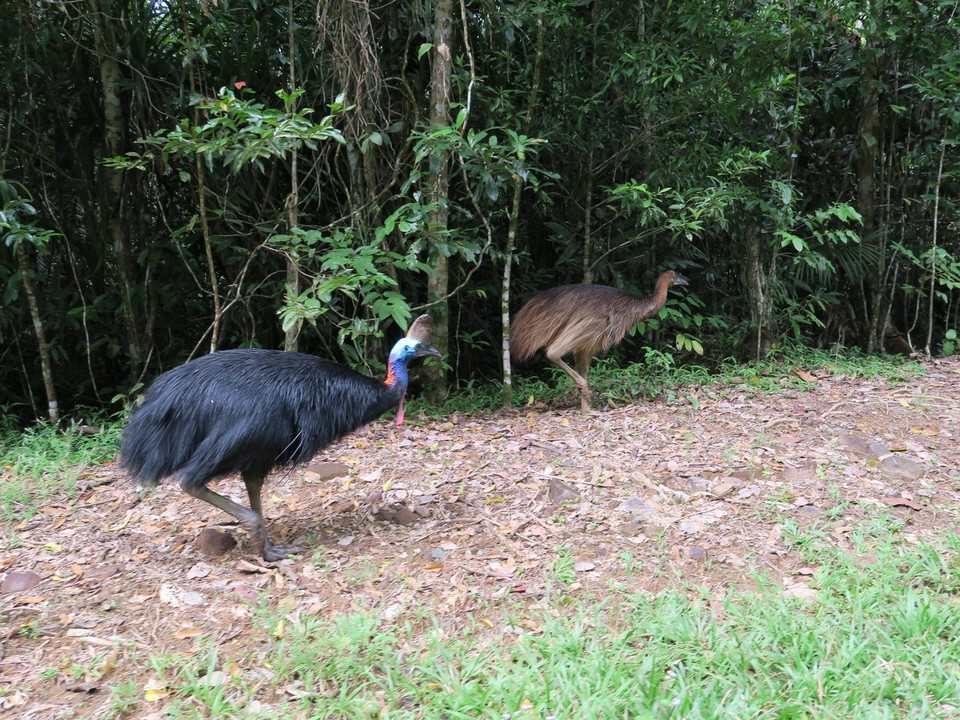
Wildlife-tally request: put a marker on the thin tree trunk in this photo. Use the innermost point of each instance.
(933, 248)
(512, 231)
(869, 133)
(505, 290)
(293, 199)
(46, 365)
(114, 126)
(591, 174)
(757, 283)
(439, 279)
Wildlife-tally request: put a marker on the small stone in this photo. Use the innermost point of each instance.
(214, 542)
(583, 566)
(328, 470)
(636, 506)
(809, 511)
(695, 552)
(723, 489)
(404, 516)
(900, 468)
(19, 581)
(559, 492)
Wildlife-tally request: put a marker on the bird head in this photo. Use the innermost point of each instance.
(408, 349)
(676, 278)
(415, 345)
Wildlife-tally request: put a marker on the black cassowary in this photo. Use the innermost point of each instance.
(247, 411)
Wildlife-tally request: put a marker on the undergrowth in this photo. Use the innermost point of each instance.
(669, 376)
(42, 462)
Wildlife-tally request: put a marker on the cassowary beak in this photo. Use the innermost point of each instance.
(426, 351)
(680, 280)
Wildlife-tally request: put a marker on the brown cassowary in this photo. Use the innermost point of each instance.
(582, 320)
(247, 411)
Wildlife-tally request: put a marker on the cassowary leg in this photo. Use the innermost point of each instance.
(251, 520)
(583, 367)
(254, 483)
(579, 380)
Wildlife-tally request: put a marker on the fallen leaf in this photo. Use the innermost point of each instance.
(902, 501)
(189, 631)
(505, 568)
(152, 695)
(87, 688)
(31, 599)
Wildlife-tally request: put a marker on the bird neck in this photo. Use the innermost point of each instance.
(659, 297)
(396, 383)
(397, 377)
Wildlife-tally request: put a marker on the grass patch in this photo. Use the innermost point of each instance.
(43, 462)
(877, 641)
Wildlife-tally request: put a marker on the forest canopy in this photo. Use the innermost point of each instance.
(183, 177)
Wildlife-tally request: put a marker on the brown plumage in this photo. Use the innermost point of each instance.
(583, 320)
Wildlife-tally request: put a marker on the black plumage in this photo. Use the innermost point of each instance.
(248, 411)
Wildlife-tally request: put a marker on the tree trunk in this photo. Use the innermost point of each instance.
(934, 244)
(758, 283)
(505, 290)
(292, 334)
(114, 126)
(46, 365)
(512, 230)
(438, 281)
(867, 149)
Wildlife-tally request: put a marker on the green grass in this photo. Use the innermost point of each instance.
(877, 641)
(43, 462)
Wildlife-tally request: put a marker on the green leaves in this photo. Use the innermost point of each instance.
(240, 132)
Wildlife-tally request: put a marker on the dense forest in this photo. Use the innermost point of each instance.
(179, 177)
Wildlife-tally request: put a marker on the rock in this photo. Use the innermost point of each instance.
(178, 597)
(695, 552)
(855, 444)
(900, 467)
(405, 516)
(214, 542)
(559, 492)
(19, 581)
(697, 484)
(327, 470)
(636, 506)
(723, 489)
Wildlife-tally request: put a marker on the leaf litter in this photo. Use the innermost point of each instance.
(466, 515)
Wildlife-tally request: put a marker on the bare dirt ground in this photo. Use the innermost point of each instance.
(472, 515)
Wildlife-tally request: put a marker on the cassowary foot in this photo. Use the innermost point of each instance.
(272, 553)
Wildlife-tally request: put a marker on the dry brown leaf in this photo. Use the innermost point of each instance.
(902, 501)
(187, 632)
